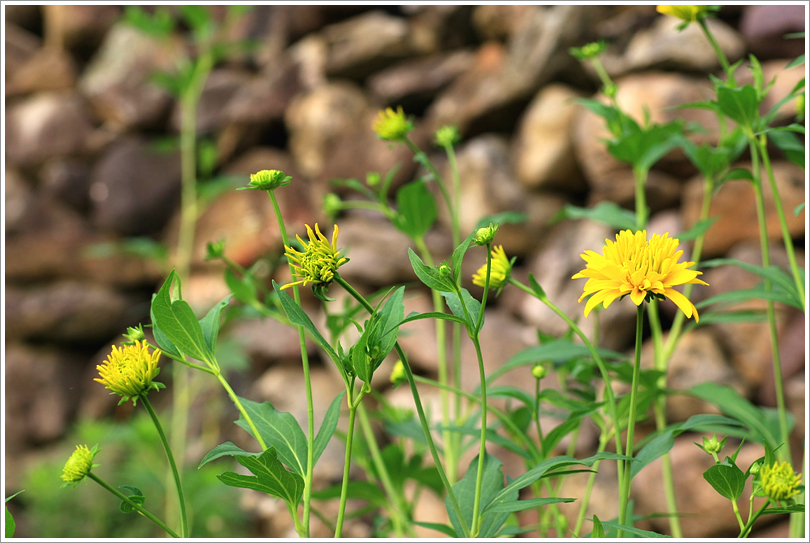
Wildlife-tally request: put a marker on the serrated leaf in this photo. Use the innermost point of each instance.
(224, 449)
(428, 275)
(327, 429)
(269, 476)
(210, 323)
(416, 209)
(279, 430)
(727, 480)
(178, 322)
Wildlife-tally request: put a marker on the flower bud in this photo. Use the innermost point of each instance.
(445, 271)
(134, 334)
(485, 235)
(267, 180)
(79, 464)
(215, 249)
(539, 371)
(392, 125)
(589, 50)
(779, 482)
(447, 136)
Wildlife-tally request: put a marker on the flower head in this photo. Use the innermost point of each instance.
(447, 136)
(79, 464)
(129, 370)
(501, 269)
(398, 375)
(689, 14)
(319, 261)
(485, 235)
(391, 125)
(779, 482)
(589, 50)
(539, 371)
(632, 265)
(267, 180)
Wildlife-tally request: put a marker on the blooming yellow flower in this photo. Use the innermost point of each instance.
(391, 125)
(79, 464)
(500, 272)
(632, 265)
(779, 482)
(319, 261)
(129, 371)
(686, 13)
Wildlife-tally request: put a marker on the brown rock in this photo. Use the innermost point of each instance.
(46, 125)
(764, 28)
(543, 152)
(220, 87)
(19, 201)
(499, 21)
(264, 98)
(134, 187)
(80, 28)
(21, 45)
(735, 205)
(67, 311)
(48, 69)
(117, 80)
(67, 180)
(436, 28)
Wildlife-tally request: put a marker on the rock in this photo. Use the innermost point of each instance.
(48, 69)
(80, 28)
(764, 28)
(21, 45)
(220, 87)
(268, 342)
(134, 187)
(26, 16)
(19, 200)
(264, 98)
(695, 497)
(663, 46)
(543, 151)
(418, 338)
(117, 81)
(417, 81)
(436, 28)
(735, 205)
(46, 125)
(499, 21)
(365, 43)
(41, 417)
(490, 187)
(68, 311)
(67, 180)
(791, 355)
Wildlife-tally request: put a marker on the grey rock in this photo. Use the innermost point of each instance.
(264, 98)
(220, 87)
(67, 180)
(134, 187)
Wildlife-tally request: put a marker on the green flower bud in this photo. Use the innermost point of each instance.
(539, 371)
(267, 180)
(485, 235)
(712, 445)
(332, 205)
(755, 467)
(215, 250)
(444, 270)
(134, 334)
(588, 51)
(79, 464)
(447, 136)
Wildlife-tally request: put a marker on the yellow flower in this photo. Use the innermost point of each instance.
(499, 274)
(632, 265)
(129, 370)
(686, 13)
(319, 261)
(79, 464)
(779, 482)
(391, 125)
(398, 375)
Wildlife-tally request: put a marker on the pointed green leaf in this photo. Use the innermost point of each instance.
(361, 361)
(632, 530)
(598, 531)
(269, 476)
(522, 505)
(790, 145)
(210, 323)
(385, 332)
(699, 228)
(299, 318)
(430, 276)
(355, 490)
(491, 485)
(605, 212)
(741, 105)
(458, 255)
(178, 322)
(727, 480)
(442, 528)
(327, 428)
(473, 306)
(224, 449)
(243, 289)
(279, 430)
(417, 209)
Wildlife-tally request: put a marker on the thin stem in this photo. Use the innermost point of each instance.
(439, 181)
(240, 407)
(419, 409)
(603, 440)
(347, 464)
(750, 524)
(719, 52)
(302, 341)
(537, 416)
(783, 452)
(640, 175)
(399, 518)
(736, 509)
(482, 450)
(180, 498)
(624, 496)
(780, 212)
(132, 504)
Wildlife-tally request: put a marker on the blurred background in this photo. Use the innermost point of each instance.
(92, 205)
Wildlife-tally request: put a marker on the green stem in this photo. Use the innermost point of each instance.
(719, 52)
(302, 341)
(180, 498)
(640, 176)
(784, 451)
(476, 521)
(439, 181)
(624, 495)
(780, 212)
(132, 504)
(419, 409)
(603, 440)
(797, 519)
(399, 516)
(240, 407)
(750, 524)
(347, 464)
(736, 509)
(537, 416)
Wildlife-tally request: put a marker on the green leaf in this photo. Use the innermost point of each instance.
(269, 476)
(224, 449)
(699, 228)
(632, 530)
(177, 321)
(279, 430)
(795, 62)
(798, 209)
(772, 273)
(430, 276)
(442, 528)
(522, 505)
(361, 361)
(731, 317)
(491, 436)
(243, 289)
(605, 212)
(417, 209)
(299, 318)
(730, 402)
(159, 25)
(327, 428)
(741, 105)
(737, 174)
(210, 323)
(11, 526)
(797, 508)
(598, 531)
(355, 490)
(756, 293)
(473, 307)
(414, 316)
(505, 217)
(643, 147)
(728, 480)
(790, 145)
(458, 255)
(491, 485)
(136, 497)
(384, 333)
